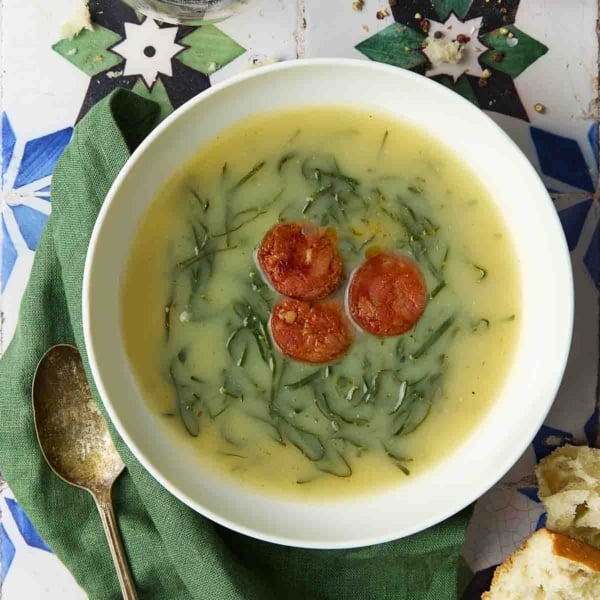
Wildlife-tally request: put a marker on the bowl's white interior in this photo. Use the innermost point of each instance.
(546, 310)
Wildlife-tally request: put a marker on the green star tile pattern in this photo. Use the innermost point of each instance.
(507, 57)
(158, 93)
(88, 51)
(445, 7)
(462, 87)
(204, 50)
(395, 45)
(209, 49)
(515, 59)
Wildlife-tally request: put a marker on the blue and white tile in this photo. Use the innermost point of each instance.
(559, 39)
(577, 395)
(29, 570)
(564, 81)
(27, 166)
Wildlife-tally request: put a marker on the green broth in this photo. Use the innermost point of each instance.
(196, 308)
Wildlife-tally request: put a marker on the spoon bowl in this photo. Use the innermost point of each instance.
(76, 442)
(71, 430)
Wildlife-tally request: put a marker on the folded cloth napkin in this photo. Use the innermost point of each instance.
(174, 552)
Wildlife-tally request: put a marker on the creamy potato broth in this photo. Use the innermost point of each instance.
(195, 307)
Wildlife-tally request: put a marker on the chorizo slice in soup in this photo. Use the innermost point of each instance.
(387, 294)
(312, 332)
(301, 260)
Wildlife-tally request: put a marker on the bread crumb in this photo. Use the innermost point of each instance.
(261, 60)
(569, 487)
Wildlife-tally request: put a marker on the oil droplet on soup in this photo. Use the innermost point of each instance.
(196, 305)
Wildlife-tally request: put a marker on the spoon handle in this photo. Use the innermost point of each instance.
(109, 522)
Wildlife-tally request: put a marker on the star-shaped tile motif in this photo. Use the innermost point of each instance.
(148, 50)
(165, 63)
(470, 46)
(448, 33)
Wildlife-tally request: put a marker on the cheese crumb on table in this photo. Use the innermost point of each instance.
(79, 20)
(444, 51)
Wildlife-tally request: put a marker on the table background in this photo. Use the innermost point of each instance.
(550, 59)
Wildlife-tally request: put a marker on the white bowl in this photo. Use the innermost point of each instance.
(547, 305)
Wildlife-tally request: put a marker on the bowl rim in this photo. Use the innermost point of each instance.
(512, 455)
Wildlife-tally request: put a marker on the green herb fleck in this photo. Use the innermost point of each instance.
(284, 159)
(304, 381)
(253, 171)
(482, 272)
(240, 225)
(480, 325)
(401, 395)
(224, 391)
(383, 141)
(433, 338)
(437, 289)
(188, 262)
(203, 202)
(168, 309)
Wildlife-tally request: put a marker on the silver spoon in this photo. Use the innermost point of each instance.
(76, 443)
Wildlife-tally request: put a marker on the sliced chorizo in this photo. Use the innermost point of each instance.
(312, 332)
(301, 260)
(387, 294)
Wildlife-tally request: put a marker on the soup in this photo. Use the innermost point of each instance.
(323, 300)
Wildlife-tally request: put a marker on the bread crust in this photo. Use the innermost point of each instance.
(576, 550)
(562, 546)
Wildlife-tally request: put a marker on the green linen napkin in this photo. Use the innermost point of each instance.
(174, 552)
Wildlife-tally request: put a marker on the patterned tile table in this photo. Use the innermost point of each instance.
(532, 65)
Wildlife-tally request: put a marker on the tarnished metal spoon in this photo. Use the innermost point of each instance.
(76, 443)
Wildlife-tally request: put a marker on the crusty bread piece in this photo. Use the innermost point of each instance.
(569, 486)
(548, 566)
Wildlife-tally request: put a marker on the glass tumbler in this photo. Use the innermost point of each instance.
(182, 11)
